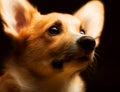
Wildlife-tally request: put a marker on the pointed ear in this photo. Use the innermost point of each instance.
(91, 16)
(16, 15)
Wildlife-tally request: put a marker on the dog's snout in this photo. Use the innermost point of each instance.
(86, 42)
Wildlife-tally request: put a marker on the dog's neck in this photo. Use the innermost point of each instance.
(55, 84)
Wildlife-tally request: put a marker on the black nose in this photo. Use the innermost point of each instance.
(86, 42)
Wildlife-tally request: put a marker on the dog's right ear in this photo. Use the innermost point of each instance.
(91, 16)
(17, 15)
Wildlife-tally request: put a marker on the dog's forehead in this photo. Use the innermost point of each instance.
(63, 18)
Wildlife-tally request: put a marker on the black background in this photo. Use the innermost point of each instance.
(106, 75)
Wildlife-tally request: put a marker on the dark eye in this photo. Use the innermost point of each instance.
(82, 31)
(57, 64)
(54, 30)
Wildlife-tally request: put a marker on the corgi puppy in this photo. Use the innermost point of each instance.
(49, 51)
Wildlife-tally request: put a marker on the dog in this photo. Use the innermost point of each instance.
(49, 50)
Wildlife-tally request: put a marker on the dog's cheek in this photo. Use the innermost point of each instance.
(43, 71)
(37, 58)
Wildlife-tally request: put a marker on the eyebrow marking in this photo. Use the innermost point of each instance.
(58, 23)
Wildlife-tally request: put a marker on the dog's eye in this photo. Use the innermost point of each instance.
(57, 64)
(54, 30)
(82, 31)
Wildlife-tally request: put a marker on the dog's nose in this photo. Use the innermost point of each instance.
(86, 42)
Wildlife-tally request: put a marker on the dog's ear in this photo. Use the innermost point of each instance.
(16, 15)
(91, 16)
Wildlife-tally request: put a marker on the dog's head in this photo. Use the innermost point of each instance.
(55, 43)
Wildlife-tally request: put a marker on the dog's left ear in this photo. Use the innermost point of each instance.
(17, 15)
(91, 16)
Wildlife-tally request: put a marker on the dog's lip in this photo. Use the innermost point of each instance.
(82, 58)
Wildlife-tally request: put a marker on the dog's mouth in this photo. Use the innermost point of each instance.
(84, 57)
(77, 58)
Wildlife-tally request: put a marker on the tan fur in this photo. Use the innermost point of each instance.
(29, 66)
